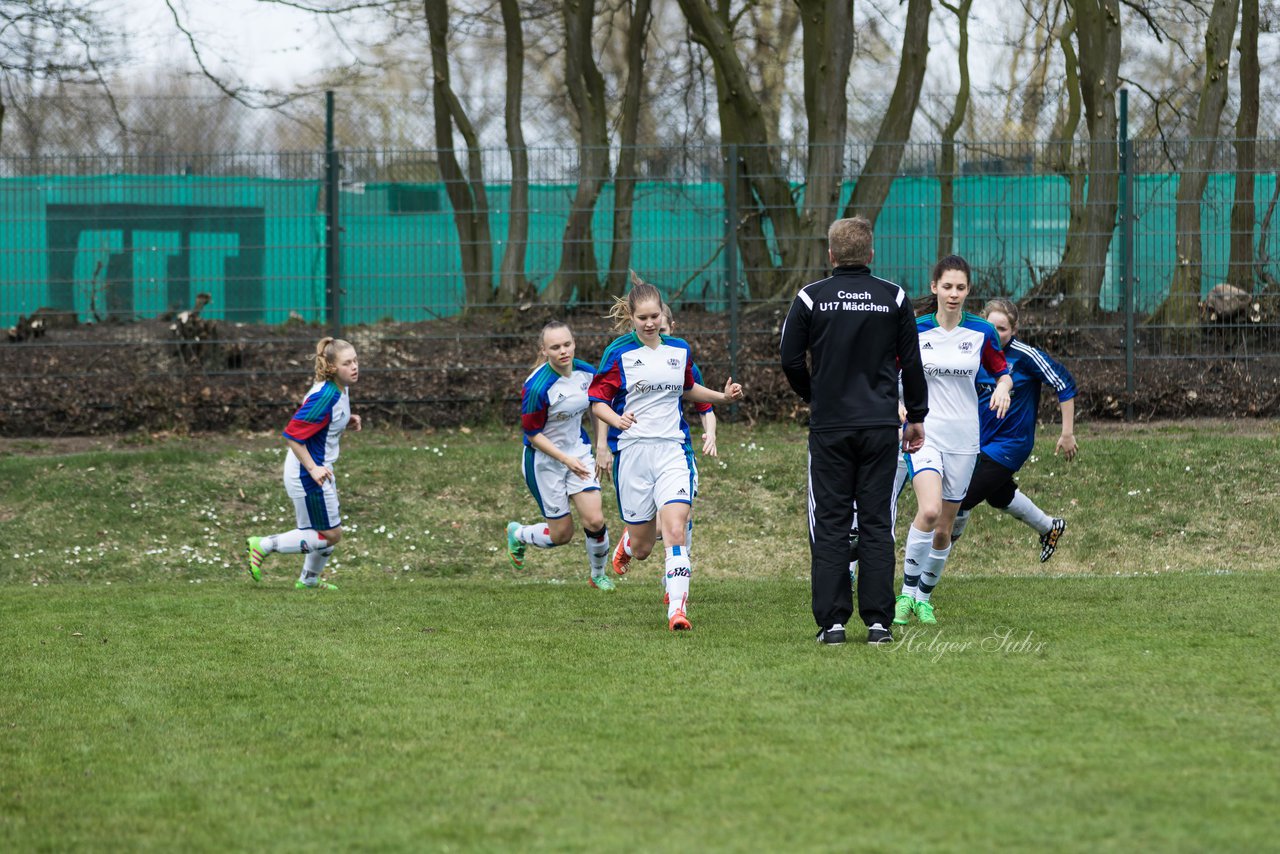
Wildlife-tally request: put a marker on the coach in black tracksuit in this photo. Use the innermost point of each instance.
(858, 330)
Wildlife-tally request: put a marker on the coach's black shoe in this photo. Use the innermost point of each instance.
(1049, 540)
(879, 634)
(833, 636)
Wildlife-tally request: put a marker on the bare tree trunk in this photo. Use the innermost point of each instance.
(1181, 308)
(1059, 154)
(578, 271)
(1241, 268)
(947, 171)
(512, 284)
(776, 26)
(828, 52)
(624, 182)
(1080, 273)
(765, 193)
(466, 191)
(886, 154)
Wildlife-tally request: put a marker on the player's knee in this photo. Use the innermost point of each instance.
(332, 536)
(640, 552)
(560, 536)
(593, 523)
(928, 516)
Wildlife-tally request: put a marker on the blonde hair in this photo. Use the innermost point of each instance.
(1005, 307)
(849, 240)
(327, 350)
(624, 308)
(542, 340)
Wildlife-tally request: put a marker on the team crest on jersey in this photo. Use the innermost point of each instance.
(966, 346)
(675, 363)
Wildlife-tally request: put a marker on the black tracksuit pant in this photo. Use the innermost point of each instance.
(844, 466)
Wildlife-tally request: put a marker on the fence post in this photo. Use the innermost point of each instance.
(1126, 249)
(332, 230)
(731, 256)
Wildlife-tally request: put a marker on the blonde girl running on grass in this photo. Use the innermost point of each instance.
(557, 461)
(312, 436)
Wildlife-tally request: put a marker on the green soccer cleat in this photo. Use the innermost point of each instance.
(902, 609)
(515, 548)
(319, 585)
(603, 582)
(256, 557)
(924, 613)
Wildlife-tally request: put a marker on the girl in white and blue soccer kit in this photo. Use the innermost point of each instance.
(557, 461)
(953, 346)
(309, 480)
(639, 390)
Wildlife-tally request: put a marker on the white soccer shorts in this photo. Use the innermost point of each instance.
(955, 469)
(649, 474)
(551, 482)
(316, 506)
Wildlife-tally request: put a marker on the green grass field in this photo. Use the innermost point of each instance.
(154, 697)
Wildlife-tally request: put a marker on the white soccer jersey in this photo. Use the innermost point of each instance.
(648, 382)
(951, 360)
(554, 405)
(318, 424)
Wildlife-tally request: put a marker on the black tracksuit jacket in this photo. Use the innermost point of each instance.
(858, 331)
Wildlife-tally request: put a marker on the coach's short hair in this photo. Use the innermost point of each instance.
(849, 240)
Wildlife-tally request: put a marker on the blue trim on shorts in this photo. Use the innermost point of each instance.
(317, 511)
(693, 475)
(678, 501)
(588, 489)
(912, 472)
(531, 479)
(617, 490)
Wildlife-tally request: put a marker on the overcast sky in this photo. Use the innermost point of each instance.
(266, 44)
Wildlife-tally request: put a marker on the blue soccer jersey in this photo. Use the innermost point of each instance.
(1009, 440)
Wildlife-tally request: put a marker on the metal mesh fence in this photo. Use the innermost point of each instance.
(115, 249)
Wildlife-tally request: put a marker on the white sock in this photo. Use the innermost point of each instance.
(295, 541)
(313, 566)
(535, 535)
(962, 519)
(931, 571)
(853, 572)
(1025, 510)
(917, 551)
(678, 573)
(597, 550)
